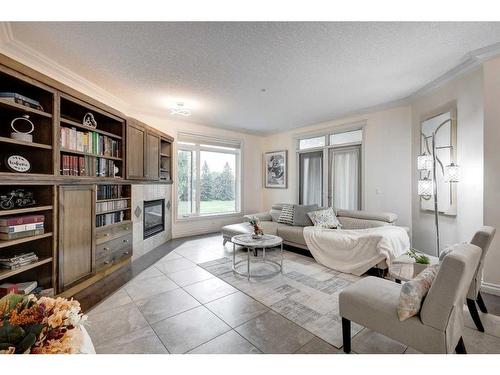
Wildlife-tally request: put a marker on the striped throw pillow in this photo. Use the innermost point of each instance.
(286, 216)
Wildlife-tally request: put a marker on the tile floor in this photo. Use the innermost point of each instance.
(175, 306)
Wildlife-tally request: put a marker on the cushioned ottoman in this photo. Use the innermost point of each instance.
(229, 231)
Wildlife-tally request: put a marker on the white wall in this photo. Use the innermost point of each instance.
(386, 161)
(251, 172)
(466, 91)
(491, 92)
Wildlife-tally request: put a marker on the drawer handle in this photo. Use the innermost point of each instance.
(105, 248)
(106, 262)
(125, 241)
(106, 234)
(127, 228)
(125, 253)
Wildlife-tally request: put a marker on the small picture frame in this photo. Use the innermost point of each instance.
(276, 169)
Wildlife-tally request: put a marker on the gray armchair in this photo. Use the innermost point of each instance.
(372, 302)
(482, 238)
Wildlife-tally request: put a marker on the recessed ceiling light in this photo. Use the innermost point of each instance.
(180, 109)
(263, 90)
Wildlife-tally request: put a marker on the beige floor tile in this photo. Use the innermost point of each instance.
(237, 308)
(149, 272)
(117, 322)
(175, 265)
(119, 298)
(141, 341)
(189, 329)
(190, 276)
(165, 305)
(370, 342)
(271, 333)
(228, 343)
(144, 288)
(318, 346)
(209, 290)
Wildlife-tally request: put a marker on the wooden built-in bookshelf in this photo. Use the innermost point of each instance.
(43, 245)
(165, 159)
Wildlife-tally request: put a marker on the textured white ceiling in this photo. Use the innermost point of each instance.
(312, 72)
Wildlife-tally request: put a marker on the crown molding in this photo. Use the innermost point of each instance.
(28, 56)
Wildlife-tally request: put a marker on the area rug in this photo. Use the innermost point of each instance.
(306, 293)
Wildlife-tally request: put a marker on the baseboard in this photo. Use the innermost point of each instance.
(490, 288)
(195, 233)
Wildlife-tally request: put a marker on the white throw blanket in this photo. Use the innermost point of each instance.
(356, 251)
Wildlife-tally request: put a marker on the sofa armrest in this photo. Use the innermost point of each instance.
(262, 216)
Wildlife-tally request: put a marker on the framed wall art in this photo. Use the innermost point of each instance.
(276, 169)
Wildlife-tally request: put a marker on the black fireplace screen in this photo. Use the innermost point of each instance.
(154, 217)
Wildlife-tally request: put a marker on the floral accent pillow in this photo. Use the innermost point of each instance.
(414, 291)
(324, 218)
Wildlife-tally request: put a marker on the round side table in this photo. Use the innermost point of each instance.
(251, 244)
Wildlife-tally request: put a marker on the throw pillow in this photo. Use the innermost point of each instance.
(324, 218)
(286, 216)
(300, 217)
(413, 293)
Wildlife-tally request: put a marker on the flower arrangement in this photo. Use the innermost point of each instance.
(40, 326)
(257, 230)
(419, 258)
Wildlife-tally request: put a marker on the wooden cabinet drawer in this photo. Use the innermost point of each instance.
(110, 247)
(122, 253)
(103, 262)
(113, 232)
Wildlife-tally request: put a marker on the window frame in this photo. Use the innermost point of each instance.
(197, 147)
(326, 149)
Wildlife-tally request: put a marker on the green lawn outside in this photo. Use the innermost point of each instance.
(207, 207)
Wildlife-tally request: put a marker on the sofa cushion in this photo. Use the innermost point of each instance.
(275, 211)
(324, 218)
(387, 217)
(270, 227)
(300, 217)
(292, 234)
(414, 291)
(353, 223)
(286, 216)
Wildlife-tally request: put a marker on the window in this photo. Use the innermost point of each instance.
(208, 177)
(311, 142)
(338, 163)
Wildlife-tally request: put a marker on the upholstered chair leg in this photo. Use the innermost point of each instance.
(346, 335)
(224, 241)
(480, 303)
(471, 304)
(460, 349)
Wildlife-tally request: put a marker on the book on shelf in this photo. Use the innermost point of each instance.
(19, 260)
(20, 228)
(111, 218)
(87, 166)
(18, 288)
(110, 192)
(24, 219)
(111, 205)
(19, 235)
(89, 142)
(21, 99)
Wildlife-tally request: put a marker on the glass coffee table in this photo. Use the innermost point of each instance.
(252, 244)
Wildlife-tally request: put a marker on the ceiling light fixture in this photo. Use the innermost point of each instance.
(180, 109)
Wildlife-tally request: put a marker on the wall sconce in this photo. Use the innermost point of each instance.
(451, 173)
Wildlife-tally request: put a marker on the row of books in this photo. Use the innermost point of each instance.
(110, 192)
(91, 142)
(19, 260)
(15, 227)
(21, 99)
(106, 219)
(111, 205)
(29, 287)
(87, 166)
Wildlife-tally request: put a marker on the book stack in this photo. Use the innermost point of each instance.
(87, 166)
(18, 288)
(111, 205)
(15, 227)
(109, 192)
(21, 99)
(17, 261)
(106, 219)
(90, 142)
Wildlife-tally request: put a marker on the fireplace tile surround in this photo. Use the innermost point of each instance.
(150, 192)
